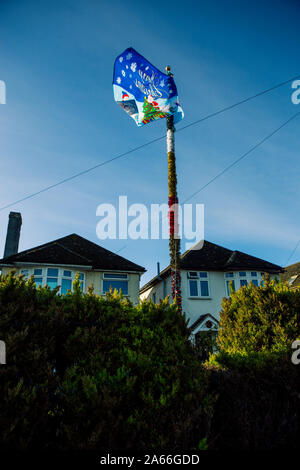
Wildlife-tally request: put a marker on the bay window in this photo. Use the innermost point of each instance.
(242, 278)
(54, 277)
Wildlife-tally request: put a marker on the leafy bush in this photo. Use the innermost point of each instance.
(86, 372)
(258, 404)
(264, 318)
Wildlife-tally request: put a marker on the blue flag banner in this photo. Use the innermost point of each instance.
(144, 92)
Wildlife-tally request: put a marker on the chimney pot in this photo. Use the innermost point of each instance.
(13, 234)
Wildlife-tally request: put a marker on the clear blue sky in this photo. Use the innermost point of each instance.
(60, 118)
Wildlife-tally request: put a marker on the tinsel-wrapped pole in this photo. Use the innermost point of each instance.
(174, 240)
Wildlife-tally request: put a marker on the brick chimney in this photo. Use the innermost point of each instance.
(13, 234)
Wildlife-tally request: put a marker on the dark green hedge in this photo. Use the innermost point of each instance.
(258, 406)
(258, 386)
(85, 372)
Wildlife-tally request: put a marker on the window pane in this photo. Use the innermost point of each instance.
(67, 273)
(115, 276)
(52, 282)
(193, 274)
(38, 272)
(81, 276)
(228, 286)
(116, 285)
(243, 282)
(25, 273)
(203, 274)
(204, 288)
(66, 284)
(53, 272)
(193, 288)
(291, 280)
(253, 273)
(229, 275)
(242, 273)
(38, 281)
(255, 282)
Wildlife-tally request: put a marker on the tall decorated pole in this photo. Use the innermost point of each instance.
(174, 239)
(147, 94)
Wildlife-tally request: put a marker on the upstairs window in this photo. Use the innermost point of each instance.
(228, 285)
(192, 275)
(66, 282)
(242, 278)
(193, 288)
(198, 284)
(25, 273)
(292, 279)
(115, 281)
(52, 278)
(38, 276)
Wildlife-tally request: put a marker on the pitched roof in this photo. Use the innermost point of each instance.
(292, 271)
(73, 250)
(212, 257)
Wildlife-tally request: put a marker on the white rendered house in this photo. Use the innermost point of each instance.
(205, 278)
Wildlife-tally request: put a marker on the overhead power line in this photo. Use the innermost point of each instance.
(238, 103)
(293, 252)
(76, 175)
(135, 149)
(235, 162)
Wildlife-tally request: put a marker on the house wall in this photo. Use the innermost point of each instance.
(95, 278)
(194, 306)
(92, 278)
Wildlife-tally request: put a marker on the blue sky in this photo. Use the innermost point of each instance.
(56, 59)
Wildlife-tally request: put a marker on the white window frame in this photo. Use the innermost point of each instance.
(198, 279)
(59, 277)
(237, 278)
(114, 277)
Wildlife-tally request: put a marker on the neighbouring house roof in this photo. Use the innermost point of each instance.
(291, 275)
(73, 250)
(212, 257)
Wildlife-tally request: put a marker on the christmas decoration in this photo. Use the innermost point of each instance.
(152, 93)
(151, 111)
(174, 241)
